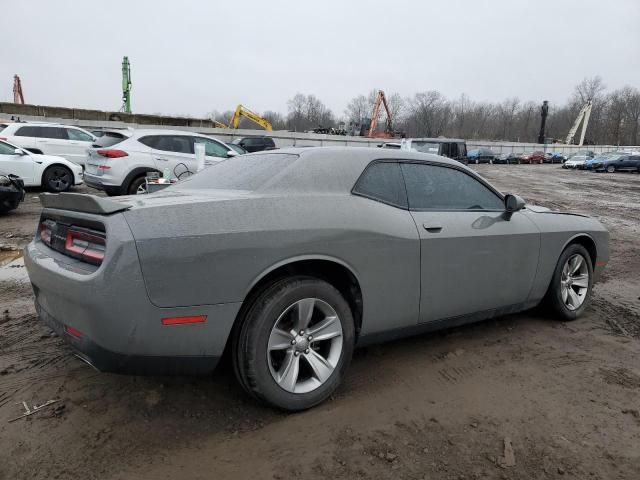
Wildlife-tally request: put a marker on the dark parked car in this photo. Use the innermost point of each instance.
(507, 158)
(620, 163)
(480, 155)
(287, 260)
(255, 144)
(554, 157)
(11, 192)
(533, 157)
(447, 147)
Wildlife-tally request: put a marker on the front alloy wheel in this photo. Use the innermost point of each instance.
(574, 283)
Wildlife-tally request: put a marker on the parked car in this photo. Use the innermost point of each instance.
(480, 155)
(56, 174)
(391, 145)
(599, 159)
(446, 147)
(533, 157)
(575, 162)
(50, 139)
(239, 150)
(122, 168)
(507, 158)
(110, 136)
(255, 144)
(555, 157)
(618, 163)
(269, 256)
(11, 192)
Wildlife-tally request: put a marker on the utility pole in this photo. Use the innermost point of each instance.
(543, 113)
(126, 86)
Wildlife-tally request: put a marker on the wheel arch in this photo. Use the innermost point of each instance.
(587, 242)
(332, 270)
(135, 173)
(56, 164)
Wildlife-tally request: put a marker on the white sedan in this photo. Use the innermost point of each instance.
(56, 174)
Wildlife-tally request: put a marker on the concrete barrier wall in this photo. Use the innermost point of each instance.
(281, 138)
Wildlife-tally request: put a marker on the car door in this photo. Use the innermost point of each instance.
(53, 141)
(77, 146)
(634, 163)
(20, 165)
(175, 153)
(474, 256)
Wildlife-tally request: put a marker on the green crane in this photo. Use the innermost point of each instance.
(126, 86)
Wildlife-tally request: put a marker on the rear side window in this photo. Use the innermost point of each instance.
(56, 133)
(29, 131)
(269, 142)
(431, 187)
(169, 143)
(78, 135)
(252, 142)
(383, 181)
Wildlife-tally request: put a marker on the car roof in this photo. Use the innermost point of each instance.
(437, 140)
(44, 124)
(141, 132)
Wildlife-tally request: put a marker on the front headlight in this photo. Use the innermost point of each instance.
(4, 181)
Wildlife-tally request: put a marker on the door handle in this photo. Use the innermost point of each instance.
(432, 228)
(162, 159)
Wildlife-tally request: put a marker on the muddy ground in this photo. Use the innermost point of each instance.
(564, 398)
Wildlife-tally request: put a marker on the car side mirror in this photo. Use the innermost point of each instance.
(513, 203)
(232, 153)
(18, 151)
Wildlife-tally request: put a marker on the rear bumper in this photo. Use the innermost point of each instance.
(117, 327)
(94, 181)
(108, 361)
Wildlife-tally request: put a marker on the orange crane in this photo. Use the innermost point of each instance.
(18, 97)
(381, 99)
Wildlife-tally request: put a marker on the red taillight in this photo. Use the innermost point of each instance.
(183, 320)
(87, 246)
(112, 153)
(73, 332)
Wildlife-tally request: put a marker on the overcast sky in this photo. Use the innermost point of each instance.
(191, 57)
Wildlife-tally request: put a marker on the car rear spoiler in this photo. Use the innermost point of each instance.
(79, 202)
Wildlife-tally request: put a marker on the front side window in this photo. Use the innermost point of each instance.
(29, 131)
(78, 135)
(382, 181)
(6, 149)
(212, 148)
(432, 187)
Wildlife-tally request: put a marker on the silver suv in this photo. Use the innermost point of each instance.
(120, 169)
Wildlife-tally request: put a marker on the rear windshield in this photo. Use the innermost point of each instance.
(245, 172)
(425, 147)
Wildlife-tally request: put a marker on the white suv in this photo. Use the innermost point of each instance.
(120, 169)
(50, 139)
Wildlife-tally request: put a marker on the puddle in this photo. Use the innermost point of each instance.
(8, 256)
(12, 266)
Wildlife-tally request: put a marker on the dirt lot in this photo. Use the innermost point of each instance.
(520, 397)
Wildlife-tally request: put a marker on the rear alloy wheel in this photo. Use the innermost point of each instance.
(611, 169)
(57, 178)
(295, 343)
(138, 186)
(570, 289)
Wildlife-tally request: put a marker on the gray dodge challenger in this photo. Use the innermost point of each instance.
(287, 260)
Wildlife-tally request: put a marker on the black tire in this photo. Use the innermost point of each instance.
(136, 184)
(57, 178)
(250, 345)
(610, 169)
(553, 298)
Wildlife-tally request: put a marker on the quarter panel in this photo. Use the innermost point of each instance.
(212, 251)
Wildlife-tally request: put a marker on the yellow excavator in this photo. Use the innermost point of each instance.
(254, 117)
(217, 124)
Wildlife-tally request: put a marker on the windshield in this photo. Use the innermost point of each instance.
(425, 147)
(245, 172)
